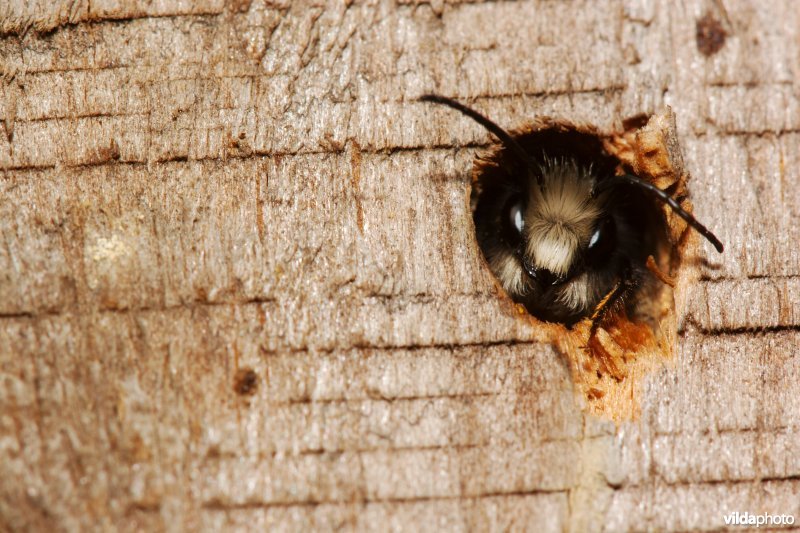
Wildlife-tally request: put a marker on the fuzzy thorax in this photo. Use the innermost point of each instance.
(560, 216)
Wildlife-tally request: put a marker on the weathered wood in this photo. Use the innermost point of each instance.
(239, 286)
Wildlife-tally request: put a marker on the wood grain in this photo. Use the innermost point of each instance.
(197, 194)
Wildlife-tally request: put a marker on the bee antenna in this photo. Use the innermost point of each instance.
(493, 128)
(664, 197)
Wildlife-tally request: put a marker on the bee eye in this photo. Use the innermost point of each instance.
(602, 242)
(513, 221)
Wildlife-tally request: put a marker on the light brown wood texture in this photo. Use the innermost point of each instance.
(239, 287)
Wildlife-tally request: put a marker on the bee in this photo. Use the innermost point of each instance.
(563, 233)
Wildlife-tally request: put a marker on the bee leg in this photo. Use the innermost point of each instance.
(622, 289)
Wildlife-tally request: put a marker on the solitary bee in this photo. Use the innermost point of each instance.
(564, 234)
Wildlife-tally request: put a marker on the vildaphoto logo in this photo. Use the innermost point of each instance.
(758, 520)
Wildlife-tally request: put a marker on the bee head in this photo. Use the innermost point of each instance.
(558, 227)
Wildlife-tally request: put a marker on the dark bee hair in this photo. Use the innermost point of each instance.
(564, 234)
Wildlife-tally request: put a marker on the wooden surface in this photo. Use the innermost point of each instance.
(239, 286)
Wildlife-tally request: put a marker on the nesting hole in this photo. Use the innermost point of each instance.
(608, 366)
(555, 140)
